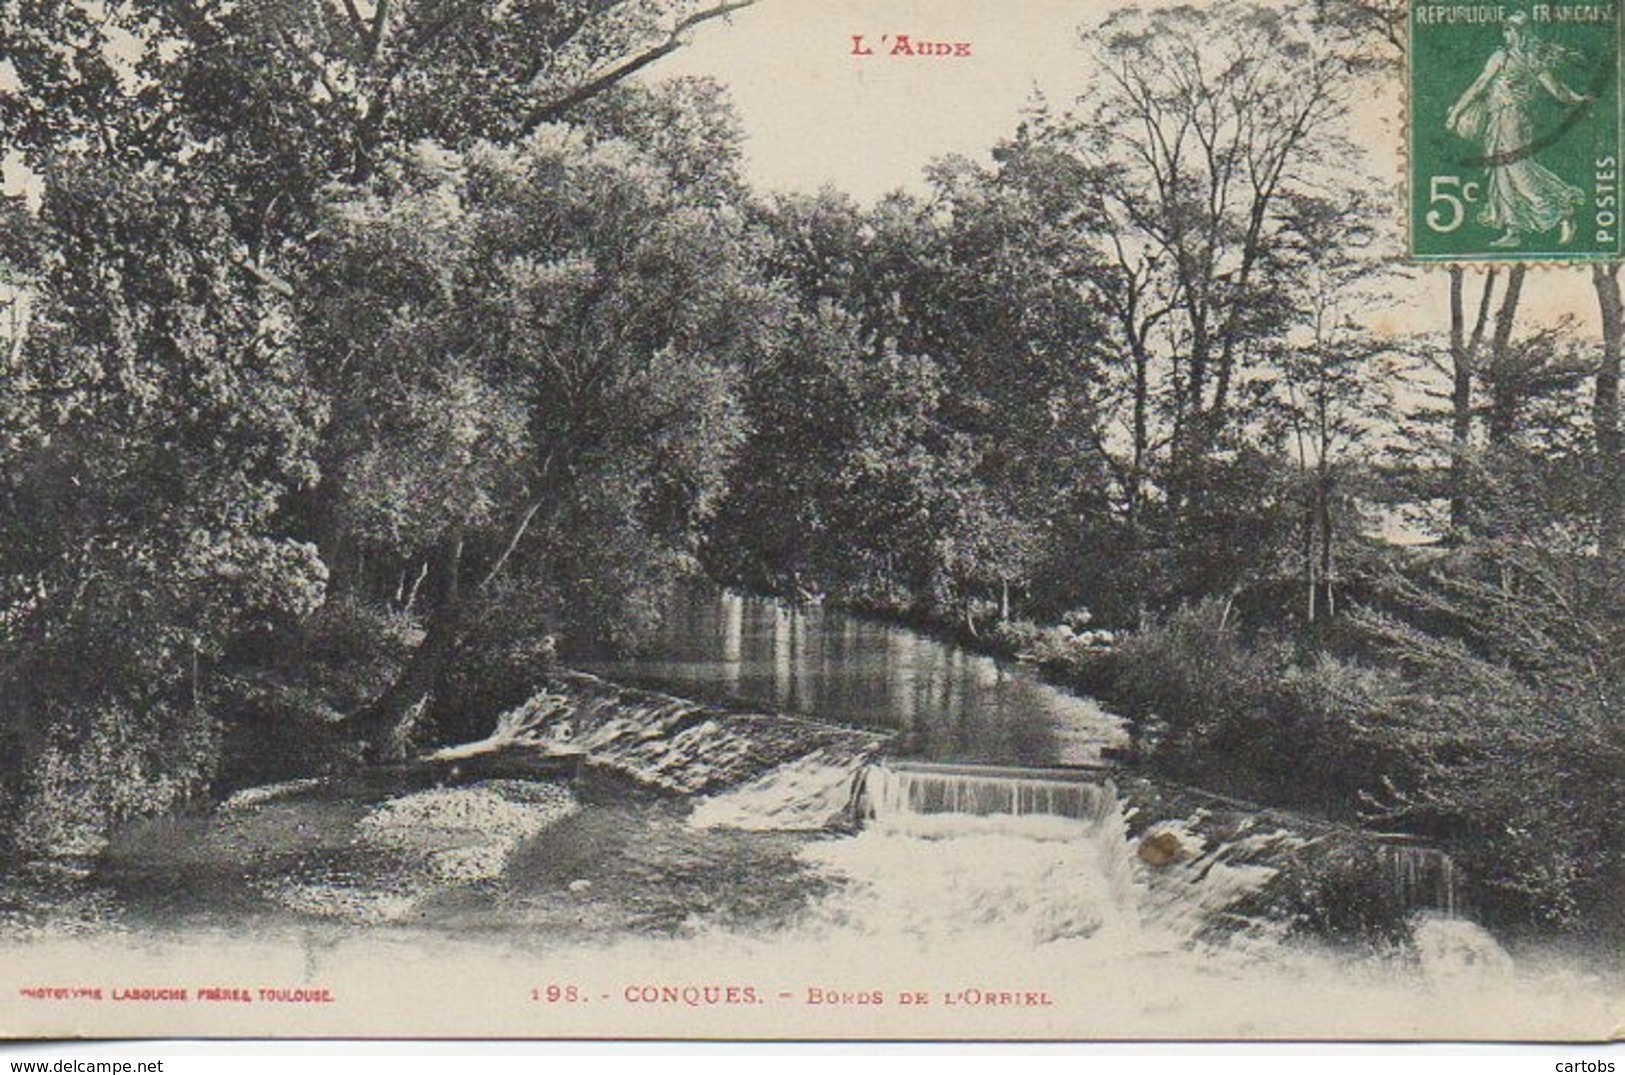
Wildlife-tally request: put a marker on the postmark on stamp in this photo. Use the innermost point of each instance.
(1515, 131)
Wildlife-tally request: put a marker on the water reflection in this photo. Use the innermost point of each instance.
(952, 705)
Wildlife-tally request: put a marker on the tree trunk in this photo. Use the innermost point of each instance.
(1310, 582)
(1464, 350)
(1506, 390)
(1142, 436)
(1461, 404)
(1323, 505)
(385, 725)
(1323, 487)
(1508, 313)
(1605, 418)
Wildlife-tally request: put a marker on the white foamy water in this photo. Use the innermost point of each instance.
(984, 887)
(526, 725)
(996, 924)
(811, 793)
(1021, 882)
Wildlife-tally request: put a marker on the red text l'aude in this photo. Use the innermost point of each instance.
(908, 45)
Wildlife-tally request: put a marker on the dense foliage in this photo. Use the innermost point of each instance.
(357, 351)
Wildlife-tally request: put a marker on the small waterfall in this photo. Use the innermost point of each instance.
(1423, 878)
(911, 788)
(542, 723)
(1219, 873)
(1015, 856)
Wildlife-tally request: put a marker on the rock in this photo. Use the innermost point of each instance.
(1162, 848)
(580, 884)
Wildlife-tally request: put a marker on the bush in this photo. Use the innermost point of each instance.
(286, 721)
(504, 656)
(1513, 722)
(1080, 659)
(1255, 715)
(1485, 712)
(1194, 691)
(106, 765)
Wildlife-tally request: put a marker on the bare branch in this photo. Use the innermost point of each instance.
(357, 23)
(263, 276)
(556, 109)
(375, 36)
(513, 543)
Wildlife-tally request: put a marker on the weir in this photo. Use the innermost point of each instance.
(1199, 853)
(899, 788)
(765, 769)
(1208, 874)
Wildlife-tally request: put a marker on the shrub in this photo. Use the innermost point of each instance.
(503, 658)
(1080, 659)
(108, 764)
(1484, 710)
(1253, 714)
(1513, 722)
(286, 720)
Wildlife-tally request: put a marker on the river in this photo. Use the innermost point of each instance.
(945, 702)
(968, 903)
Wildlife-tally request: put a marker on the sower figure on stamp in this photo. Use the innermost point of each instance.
(1523, 196)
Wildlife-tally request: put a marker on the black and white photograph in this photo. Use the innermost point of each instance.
(810, 519)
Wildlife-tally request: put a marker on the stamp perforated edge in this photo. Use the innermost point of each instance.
(1486, 263)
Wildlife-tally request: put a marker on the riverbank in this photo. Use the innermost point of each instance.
(590, 764)
(665, 769)
(571, 822)
(606, 905)
(1365, 721)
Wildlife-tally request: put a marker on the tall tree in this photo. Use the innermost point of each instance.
(155, 419)
(1202, 122)
(1331, 397)
(1605, 416)
(545, 349)
(262, 108)
(271, 233)
(1186, 156)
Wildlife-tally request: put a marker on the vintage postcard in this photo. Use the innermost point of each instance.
(818, 519)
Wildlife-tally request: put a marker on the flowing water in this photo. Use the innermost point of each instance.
(940, 852)
(945, 702)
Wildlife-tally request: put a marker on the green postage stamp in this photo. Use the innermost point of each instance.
(1515, 131)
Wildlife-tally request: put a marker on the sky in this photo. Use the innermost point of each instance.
(815, 114)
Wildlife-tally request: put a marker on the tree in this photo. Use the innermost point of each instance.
(840, 486)
(299, 93)
(1466, 363)
(256, 373)
(154, 420)
(1605, 418)
(1331, 402)
(536, 379)
(1508, 718)
(1183, 163)
(1020, 335)
(931, 426)
(1201, 124)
